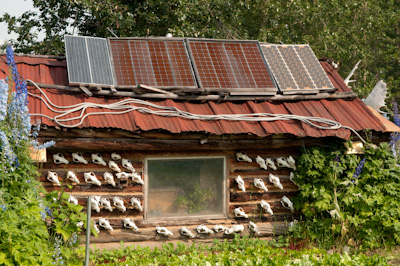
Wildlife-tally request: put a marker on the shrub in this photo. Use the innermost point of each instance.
(348, 199)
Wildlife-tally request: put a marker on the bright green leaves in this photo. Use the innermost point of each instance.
(368, 205)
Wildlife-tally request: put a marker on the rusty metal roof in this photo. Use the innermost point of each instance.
(352, 113)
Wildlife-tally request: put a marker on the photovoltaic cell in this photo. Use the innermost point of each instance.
(295, 67)
(158, 63)
(229, 64)
(88, 60)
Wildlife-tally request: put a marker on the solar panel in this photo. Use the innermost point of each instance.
(153, 62)
(295, 67)
(229, 64)
(88, 60)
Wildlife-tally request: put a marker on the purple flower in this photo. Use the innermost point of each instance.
(359, 168)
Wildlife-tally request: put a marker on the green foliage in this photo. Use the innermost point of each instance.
(197, 200)
(346, 31)
(339, 208)
(245, 251)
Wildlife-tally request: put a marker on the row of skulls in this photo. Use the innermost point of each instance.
(97, 202)
(163, 231)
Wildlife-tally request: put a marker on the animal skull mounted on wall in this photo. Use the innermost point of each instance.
(239, 213)
(72, 176)
(281, 162)
(259, 183)
(291, 177)
(202, 229)
(103, 222)
(265, 205)
(109, 178)
(186, 232)
(91, 178)
(236, 228)
(53, 177)
(220, 228)
(254, 228)
(261, 162)
(137, 178)
(106, 204)
(95, 203)
(130, 224)
(98, 159)
(242, 156)
(73, 200)
(291, 162)
(136, 204)
(163, 231)
(115, 156)
(240, 183)
(270, 163)
(119, 203)
(128, 165)
(95, 227)
(287, 203)
(113, 166)
(77, 157)
(123, 175)
(275, 180)
(59, 158)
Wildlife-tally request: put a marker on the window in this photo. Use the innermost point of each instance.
(185, 187)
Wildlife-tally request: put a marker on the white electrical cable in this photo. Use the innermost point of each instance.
(124, 106)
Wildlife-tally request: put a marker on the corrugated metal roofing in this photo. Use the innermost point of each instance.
(352, 113)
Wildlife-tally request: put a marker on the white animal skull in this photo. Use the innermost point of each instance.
(220, 228)
(240, 183)
(186, 232)
(259, 183)
(137, 178)
(291, 162)
(270, 163)
(287, 203)
(114, 166)
(254, 228)
(163, 231)
(202, 229)
(72, 176)
(291, 176)
(136, 204)
(103, 222)
(241, 156)
(123, 175)
(109, 178)
(275, 180)
(281, 162)
(239, 213)
(261, 162)
(73, 200)
(91, 178)
(236, 228)
(96, 228)
(106, 204)
(128, 165)
(265, 205)
(60, 159)
(77, 157)
(130, 224)
(98, 159)
(115, 156)
(119, 203)
(53, 177)
(95, 203)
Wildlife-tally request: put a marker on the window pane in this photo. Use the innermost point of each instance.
(185, 187)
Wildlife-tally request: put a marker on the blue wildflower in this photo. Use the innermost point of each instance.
(35, 144)
(3, 99)
(359, 168)
(6, 148)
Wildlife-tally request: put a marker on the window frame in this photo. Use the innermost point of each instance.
(224, 186)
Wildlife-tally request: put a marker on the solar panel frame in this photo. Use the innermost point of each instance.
(155, 39)
(89, 64)
(272, 88)
(306, 78)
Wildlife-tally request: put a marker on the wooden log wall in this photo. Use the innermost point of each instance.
(249, 200)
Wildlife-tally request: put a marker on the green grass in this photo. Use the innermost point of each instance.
(244, 251)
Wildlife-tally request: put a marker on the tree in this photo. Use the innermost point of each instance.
(346, 31)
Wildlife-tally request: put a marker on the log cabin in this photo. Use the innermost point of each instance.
(185, 136)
